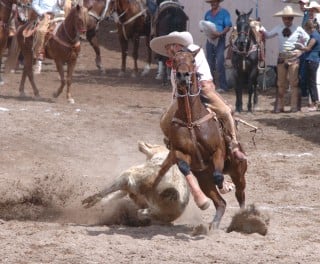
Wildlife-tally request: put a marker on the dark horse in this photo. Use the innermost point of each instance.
(196, 138)
(170, 17)
(5, 14)
(132, 22)
(245, 61)
(63, 47)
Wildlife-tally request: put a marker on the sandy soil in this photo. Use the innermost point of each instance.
(54, 154)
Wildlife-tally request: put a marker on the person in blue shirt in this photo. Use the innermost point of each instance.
(302, 64)
(312, 58)
(215, 53)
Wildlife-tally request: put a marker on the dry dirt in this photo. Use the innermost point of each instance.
(54, 154)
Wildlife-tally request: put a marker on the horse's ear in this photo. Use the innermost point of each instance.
(250, 11)
(237, 12)
(194, 53)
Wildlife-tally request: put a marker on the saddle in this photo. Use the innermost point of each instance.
(32, 27)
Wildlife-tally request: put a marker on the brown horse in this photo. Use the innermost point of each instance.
(196, 138)
(132, 22)
(62, 46)
(5, 14)
(98, 11)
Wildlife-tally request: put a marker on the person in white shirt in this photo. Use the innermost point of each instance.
(287, 67)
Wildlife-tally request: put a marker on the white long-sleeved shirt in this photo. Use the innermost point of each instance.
(277, 31)
(43, 6)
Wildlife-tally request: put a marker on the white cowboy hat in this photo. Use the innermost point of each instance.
(158, 44)
(313, 5)
(288, 12)
(295, 1)
(209, 1)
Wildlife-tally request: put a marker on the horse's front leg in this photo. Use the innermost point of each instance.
(218, 164)
(165, 166)
(94, 42)
(238, 89)
(59, 66)
(1, 80)
(70, 69)
(147, 67)
(28, 71)
(124, 53)
(135, 54)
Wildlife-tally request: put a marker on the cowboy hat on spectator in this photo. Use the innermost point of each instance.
(209, 1)
(313, 5)
(288, 11)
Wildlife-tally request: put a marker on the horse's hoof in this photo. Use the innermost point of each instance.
(1, 82)
(145, 71)
(121, 74)
(22, 94)
(133, 75)
(37, 97)
(71, 101)
(102, 71)
(227, 187)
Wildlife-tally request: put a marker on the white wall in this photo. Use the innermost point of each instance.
(195, 9)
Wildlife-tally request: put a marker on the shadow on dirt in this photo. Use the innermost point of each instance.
(306, 127)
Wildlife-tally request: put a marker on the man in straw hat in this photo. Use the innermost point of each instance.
(287, 68)
(215, 53)
(43, 12)
(167, 46)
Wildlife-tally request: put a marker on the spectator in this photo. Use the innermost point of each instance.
(215, 53)
(302, 76)
(312, 58)
(287, 66)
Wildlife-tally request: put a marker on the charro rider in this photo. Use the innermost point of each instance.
(168, 45)
(44, 10)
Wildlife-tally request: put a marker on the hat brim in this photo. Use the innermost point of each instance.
(281, 14)
(317, 8)
(209, 1)
(158, 44)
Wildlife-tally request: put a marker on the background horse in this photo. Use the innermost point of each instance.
(5, 14)
(132, 22)
(97, 13)
(196, 138)
(170, 17)
(62, 46)
(245, 61)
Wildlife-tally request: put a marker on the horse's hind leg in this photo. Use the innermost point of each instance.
(59, 66)
(237, 173)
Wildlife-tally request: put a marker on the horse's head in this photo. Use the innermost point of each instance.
(183, 65)
(80, 18)
(243, 30)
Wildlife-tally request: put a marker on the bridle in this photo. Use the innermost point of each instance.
(116, 7)
(187, 77)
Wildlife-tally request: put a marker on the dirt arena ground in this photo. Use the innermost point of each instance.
(54, 154)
